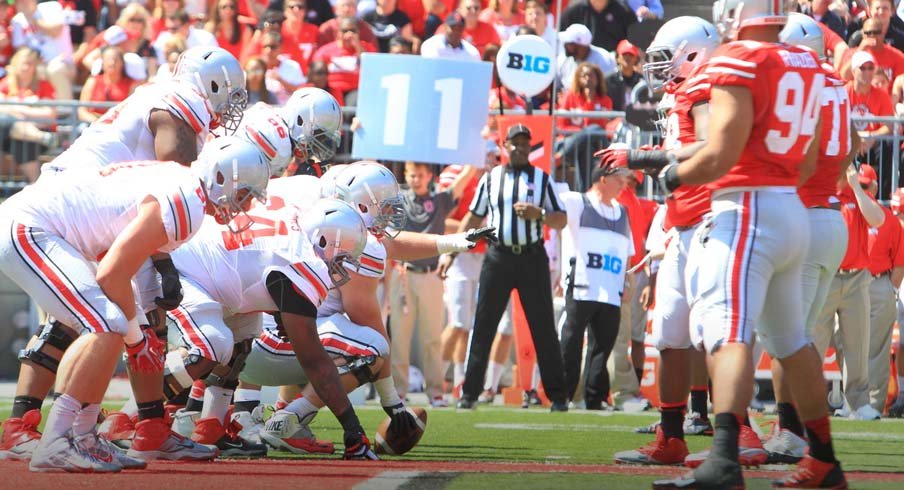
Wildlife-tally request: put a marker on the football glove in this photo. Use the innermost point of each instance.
(148, 355)
(169, 281)
(357, 446)
(402, 420)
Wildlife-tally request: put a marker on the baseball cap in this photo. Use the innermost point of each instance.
(516, 130)
(896, 199)
(455, 19)
(867, 174)
(625, 47)
(860, 58)
(577, 34)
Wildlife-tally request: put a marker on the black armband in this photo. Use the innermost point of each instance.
(668, 178)
(653, 159)
(287, 298)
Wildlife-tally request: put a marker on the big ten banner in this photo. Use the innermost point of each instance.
(426, 110)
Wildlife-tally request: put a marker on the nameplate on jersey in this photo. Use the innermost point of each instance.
(425, 110)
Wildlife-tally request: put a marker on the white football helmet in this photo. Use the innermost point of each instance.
(265, 128)
(373, 190)
(313, 117)
(680, 46)
(803, 30)
(220, 78)
(730, 16)
(227, 166)
(338, 235)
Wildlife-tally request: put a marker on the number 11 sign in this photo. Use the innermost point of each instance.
(426, 110)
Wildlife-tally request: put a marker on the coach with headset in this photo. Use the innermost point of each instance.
(519, 200)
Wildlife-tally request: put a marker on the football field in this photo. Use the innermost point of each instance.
(493, 447)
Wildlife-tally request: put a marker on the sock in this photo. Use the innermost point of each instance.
(458, 373)
(788, 419)
(671, 418)
(22, 404)
(698, 401)
(494, 374)
(304, 408)
(181, 398)
(349, 421)
(216, 402)
(819, 435)
(246, 400)
(535, 381)
(445, 368)
(196, 397)
(150, 410)
(725, 440)
(130, 408)
(639, 373)
(86, 419)
(61, 417)
(280, 404)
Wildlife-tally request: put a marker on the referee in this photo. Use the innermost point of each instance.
(519, 199)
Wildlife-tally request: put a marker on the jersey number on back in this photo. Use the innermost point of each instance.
(841, 120)
(798, 107)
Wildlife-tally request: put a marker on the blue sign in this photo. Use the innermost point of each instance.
(428, 110)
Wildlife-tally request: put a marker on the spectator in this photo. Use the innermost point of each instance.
(867, 101)
(388, 22)
(24, 139)
(416, 289)
(329, 30)
(400, 45)
(621, 83)
(172, 48)
(436, 12)
(586, 92)
(819, 10)
(889, 61)
(272, 21)
(343, 59)
(319, 77)
(256, 82)
(112, 84)
(504, 16)
(577, 49)
(224, 24)
(476, 32)
(42, 27)
(535, 16)
(197, 11)
(891, 25)
(7, 12)
(318, 11)
(163, 9)
(299, 35)
(607, 20)
(81, 17)
(451, 44)
(180, 23)
(417, 12)
(646, 9)
(284, 74)
(130, 33)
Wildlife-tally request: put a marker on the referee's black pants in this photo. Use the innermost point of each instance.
(528, 273)
(603, 320)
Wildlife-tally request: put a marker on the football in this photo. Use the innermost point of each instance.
(388, 440)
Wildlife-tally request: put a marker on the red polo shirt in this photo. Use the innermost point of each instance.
(857, 255)
(886, 250)
(640, 217)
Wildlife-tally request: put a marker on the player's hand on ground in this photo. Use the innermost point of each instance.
(146, 356)
(357, 446)
(402, 419)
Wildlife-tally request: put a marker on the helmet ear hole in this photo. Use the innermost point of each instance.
(299, 121)
(220, 178)
(214, 87)
(322, 242)
(691, 56)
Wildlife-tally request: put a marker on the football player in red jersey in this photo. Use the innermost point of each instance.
(751, 250)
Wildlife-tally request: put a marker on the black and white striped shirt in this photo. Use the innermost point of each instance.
(501, 188)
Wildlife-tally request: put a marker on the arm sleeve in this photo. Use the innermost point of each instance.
(287, 298)
(480, 202)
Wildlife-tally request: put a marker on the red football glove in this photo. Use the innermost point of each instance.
(613, 158)
(146, 356)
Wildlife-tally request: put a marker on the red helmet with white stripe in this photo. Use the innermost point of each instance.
(731, 16)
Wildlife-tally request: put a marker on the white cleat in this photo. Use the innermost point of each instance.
(284, 431)
(104, 447)
(866, 412)
(636, 404)
(251, 423)
(74, 455)
(784, 447)
(184, 422)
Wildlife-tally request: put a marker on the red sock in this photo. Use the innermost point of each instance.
(819, 433)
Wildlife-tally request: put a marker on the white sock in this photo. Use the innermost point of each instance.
(130, 408)
(535, 382)
(216, 402)
(304, 408)
(62, 416)
(246, 395)
(494, 374)
(86, 419)
(458, 373)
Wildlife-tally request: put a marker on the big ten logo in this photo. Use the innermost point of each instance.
(529, 63)
(604, 262)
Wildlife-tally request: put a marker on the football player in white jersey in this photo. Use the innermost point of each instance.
(305, 128)
(75, 247)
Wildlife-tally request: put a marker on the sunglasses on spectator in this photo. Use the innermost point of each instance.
(272, 46)
(475, 8)
(296, 6)
(869, 67)
(228, 6)
(319, 73)
(350, 29)
(137, 20)
(872, 33)
(174, 28)
(256, 71)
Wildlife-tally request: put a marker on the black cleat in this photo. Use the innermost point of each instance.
(714, 474)
(559, 406)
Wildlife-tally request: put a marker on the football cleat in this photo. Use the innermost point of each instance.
(716, 473)
(154, 440)
(662, 451)
(284, 431)
(648, 429)
(73, 455)
(20, 436)
(784, 447)
(750, 451)
(104, 448)
(119, 429)
(251, 422)
(896, 410)
(357, 446)
(813, 473)
(696, 425)
(184, 422)
(530, 397)
(210, 432)
(439, 402)
(486, 397)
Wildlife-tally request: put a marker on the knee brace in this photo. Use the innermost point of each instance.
(228, 376)
(175, 375)
(54, 334)
(365, 368)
